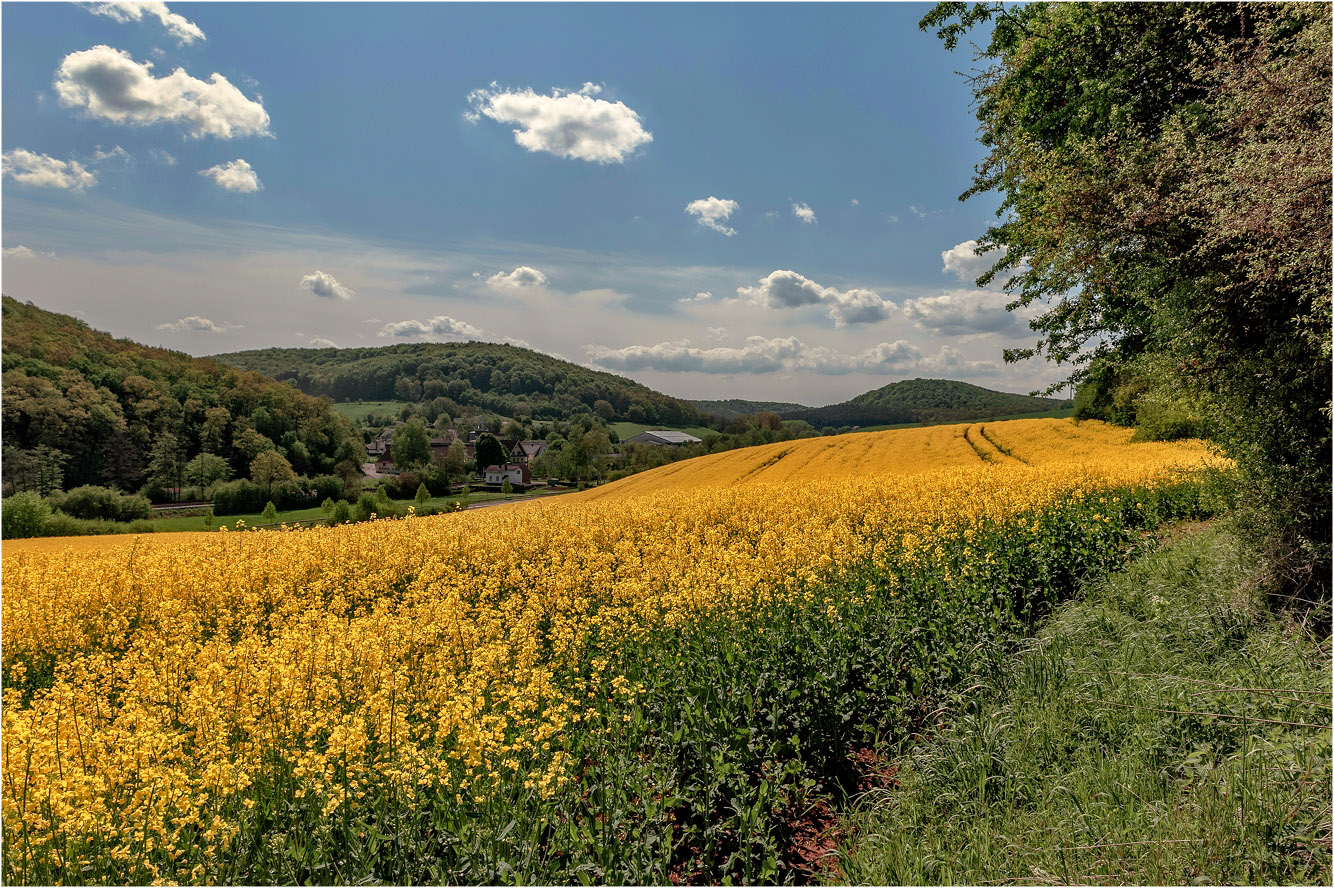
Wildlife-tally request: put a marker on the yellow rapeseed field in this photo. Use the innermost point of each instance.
(149, 683)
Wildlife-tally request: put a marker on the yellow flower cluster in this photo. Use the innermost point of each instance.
(453, 652)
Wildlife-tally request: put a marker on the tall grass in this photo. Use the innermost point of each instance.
(1164, 729)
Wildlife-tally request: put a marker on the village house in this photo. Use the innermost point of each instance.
(384, 463)
(527, 452)
(380, 443)
(517, 475)
(658, 437)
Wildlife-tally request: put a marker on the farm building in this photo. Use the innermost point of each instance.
(516, 475)
(662, 436)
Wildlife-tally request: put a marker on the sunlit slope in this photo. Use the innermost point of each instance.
(1037, 442)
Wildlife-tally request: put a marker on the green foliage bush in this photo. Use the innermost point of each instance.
(23, 515)
(341, 514)
(93, 503)
(270, 513)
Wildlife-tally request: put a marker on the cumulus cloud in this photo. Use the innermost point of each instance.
(118, 154)
(178, 26)
(159, 156)
(963, 312)
(196, 324)
(324, 285)
(803, 212)
(855, 202)
(437, 327)
(717, 333)
(521, 278)
(18, 251)
(965, 263)
(701, 296)
(321, 342)
(566, 124)
(44, 171)
(757, 355)
(712, 212)
(111, 85)
(787, 289)
(234, 175)
(761, 355)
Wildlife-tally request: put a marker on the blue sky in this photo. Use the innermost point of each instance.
(746, 200)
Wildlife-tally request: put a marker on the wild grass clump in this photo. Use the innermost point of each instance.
(1163, 729)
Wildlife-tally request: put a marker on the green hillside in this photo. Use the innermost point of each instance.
(480, 376)
(925, 401)
(98, 410)
(734, 407)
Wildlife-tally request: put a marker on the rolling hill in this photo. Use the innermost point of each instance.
(502, 379)
(106, 411)
(734, 407)
(924, 401)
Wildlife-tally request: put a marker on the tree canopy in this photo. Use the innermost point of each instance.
(107, 408)
(1164, 174)
(482, 376)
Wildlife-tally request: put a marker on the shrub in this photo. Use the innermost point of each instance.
(423, 495)
(23, 515)
(237, 498)
(103, 503)
(270, 513)
(327, 506)
(367, 505)
(341, 513)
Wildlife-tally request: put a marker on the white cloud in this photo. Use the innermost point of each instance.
(42, 170)
(117, 153)
(757, 355)
(701, 296)
(964, 312)
(787, 289)
(235, 175)
(788, 354)
(196, 324)
(159, 156)
(184, 31)
(964, 262)
(713, 212)
(321, 342)
(109, 84)
(855, 202)
(324, 285)
(803, 212)
(566, 124)
(436, 327)
(521, 278)
(717, 334)
(19, 251)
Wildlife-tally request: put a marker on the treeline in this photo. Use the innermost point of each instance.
(1164, 176)
(472, 376)
(924, 401)
(81, 408)
(734, 407)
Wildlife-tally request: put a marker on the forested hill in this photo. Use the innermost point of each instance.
(100, 410)
(924, 400)
(502, 379)
(734, 407)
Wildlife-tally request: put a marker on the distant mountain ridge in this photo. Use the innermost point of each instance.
(924, 401)
(734, 407)
(504, 379)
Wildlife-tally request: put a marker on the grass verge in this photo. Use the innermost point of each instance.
(1163, 729)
